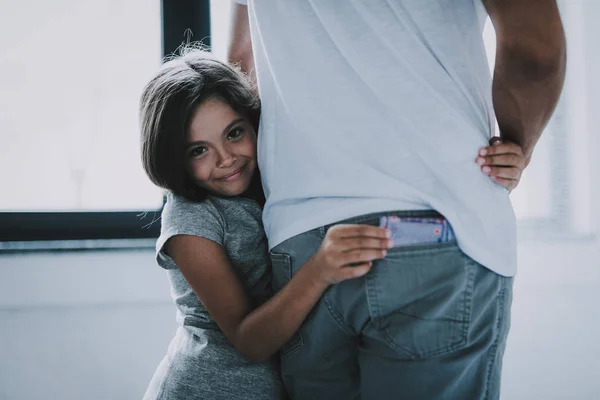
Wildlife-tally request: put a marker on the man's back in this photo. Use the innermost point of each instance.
(376, 106)
(376, 109)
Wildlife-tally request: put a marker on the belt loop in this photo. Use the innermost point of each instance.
(323, 231)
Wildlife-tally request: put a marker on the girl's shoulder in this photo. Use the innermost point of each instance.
(176, 202)
(184, 217)
(179, 211)
(225, 221)
(213, 210)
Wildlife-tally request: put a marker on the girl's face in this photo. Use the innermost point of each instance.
(221, 150)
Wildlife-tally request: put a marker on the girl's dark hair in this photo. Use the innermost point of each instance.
(168, 104)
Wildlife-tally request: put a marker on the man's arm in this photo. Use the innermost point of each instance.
(530, 67)
(240, 45)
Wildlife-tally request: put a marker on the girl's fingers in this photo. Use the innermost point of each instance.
(502, 172)
(361, 256)
(357, 243)
(510, 184)
(355, 271)
(346, 231)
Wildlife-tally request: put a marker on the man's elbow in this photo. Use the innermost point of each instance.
(537, 61)
(539, 48)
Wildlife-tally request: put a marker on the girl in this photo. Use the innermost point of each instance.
(199, 121)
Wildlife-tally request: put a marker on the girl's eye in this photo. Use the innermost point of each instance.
(235, 133)
(198, 151)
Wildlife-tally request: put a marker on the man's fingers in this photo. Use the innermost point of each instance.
(504, 147)
(510, 184)
(496, 140)
(503, 160)
(502, 172)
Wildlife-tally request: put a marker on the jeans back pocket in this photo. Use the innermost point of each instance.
(420, 299)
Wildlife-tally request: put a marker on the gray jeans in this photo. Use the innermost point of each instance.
(427, 322)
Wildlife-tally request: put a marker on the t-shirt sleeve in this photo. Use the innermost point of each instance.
(183, 217)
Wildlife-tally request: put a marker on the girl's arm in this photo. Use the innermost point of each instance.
(258, 334)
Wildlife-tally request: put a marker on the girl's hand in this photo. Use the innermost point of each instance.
(348, 252)
(503, 162)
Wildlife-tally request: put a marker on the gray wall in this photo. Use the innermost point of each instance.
(90, 325)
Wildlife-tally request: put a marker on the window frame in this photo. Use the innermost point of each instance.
(181, 21)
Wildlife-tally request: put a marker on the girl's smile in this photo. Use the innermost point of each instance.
(235, 175)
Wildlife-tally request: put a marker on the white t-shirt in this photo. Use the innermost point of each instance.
(378, 105)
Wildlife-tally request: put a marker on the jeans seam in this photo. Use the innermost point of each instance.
(416, 250)
(494, 348)
(337, 316)
(284, 352)
(372, 302)
(468, 299)
(296, 341)
(442, 350)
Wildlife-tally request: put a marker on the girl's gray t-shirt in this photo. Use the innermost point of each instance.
(201, 362)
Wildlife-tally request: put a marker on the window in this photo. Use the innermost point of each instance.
(220, 16)
(70, 93)
(69, 128)
(72, 74)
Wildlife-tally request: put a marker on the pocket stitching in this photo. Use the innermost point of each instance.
(293, 345)
(419, 249)
(296, 341)
(465, 322)
(494, 348)
(337, 317)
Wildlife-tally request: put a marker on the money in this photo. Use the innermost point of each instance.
(411, 231)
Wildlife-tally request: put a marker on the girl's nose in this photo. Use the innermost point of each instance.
(226, 159)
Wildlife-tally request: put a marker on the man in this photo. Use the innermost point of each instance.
(375, 109)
